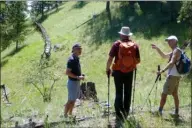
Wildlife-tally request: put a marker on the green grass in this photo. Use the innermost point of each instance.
(96, 38)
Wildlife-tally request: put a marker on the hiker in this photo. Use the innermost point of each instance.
(125, 53)
(74, 76)
(173, 77)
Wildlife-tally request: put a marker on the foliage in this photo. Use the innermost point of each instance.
(185, 12)
(14, 23)
(43, 78)
(5, 40)
(40, 8)
(185, 15)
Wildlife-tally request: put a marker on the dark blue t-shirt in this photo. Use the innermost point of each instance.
(74, 64)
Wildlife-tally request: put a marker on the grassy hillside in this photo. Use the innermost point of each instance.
(96, 36)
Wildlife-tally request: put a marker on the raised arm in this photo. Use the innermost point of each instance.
(162, 54)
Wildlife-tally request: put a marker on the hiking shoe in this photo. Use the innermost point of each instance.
(157, 113)
(72, 118)
(174, 115)
(65, 115)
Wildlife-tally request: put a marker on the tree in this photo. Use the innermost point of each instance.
(109, 12)
(43, 78)
(5, 27)
(108, 6)
(16, 21)
(185, 15)
(38, 8)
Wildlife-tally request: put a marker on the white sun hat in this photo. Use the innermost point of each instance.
(172, 37)
(125, 31)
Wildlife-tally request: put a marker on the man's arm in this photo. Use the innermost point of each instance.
(70, 74)
(109, 62)
(162, 54)
(138, 60)
(173, 60)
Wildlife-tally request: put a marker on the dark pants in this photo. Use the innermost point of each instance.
(123, 85)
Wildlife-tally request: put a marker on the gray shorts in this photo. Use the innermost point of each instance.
(73, 89)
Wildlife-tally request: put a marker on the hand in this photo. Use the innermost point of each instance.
(108, 72)
(154, 46)
(82, 77)
(160, 72)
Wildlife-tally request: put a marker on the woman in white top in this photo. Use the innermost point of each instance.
(173, 77)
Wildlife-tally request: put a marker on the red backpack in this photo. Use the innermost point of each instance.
(127, 60)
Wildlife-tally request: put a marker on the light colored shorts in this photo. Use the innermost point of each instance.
(171, 84)
(73, 89)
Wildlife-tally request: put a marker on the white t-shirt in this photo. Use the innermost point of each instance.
(173, 71)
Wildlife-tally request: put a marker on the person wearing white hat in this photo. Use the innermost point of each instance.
(173, 77)
(125, 53)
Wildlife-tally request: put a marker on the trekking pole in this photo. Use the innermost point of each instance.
(159, 80)
(134, 89)
(5, 93)
(152, 89)
(108, 76)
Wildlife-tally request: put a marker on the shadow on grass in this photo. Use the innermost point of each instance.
(149, 23)
(14, 51)
(4, 62)
(79, 4)
(176, 120)
(42, 19)
(132, 123)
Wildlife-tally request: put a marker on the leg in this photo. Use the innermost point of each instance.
(166, 91)
(66, 109)
(72, 104)
(175, 95)
(163, 101)
(118, 94)
(73, 93)
(176, 98)
(176, 101)
(128, 79)
(69, 107)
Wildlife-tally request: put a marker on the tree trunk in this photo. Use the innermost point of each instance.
(190, 33)
(17, 42)
(42, 9)
(172, 13)
(17, 32)
(56, 5)
(161, 8)
(108, 12)
(108, 6)
(17, 45)
(109, 18)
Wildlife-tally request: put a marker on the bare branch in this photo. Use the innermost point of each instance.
(38, 88)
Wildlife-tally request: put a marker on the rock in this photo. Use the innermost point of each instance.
(58, 47)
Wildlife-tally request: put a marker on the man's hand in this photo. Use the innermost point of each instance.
(108, 72)
(82, 77)
(160, 72)
(154, 46)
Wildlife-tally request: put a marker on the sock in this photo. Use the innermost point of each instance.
(160, 109)
(176, 111)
